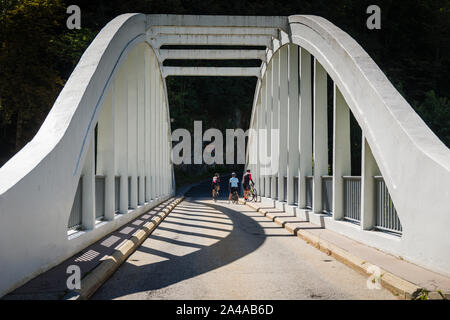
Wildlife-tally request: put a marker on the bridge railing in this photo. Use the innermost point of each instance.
(327, 194)
(295, 190)
(386, 215)
(99, 197)
(352, 198)
(116, 194)
(309, 181)
(76, 214)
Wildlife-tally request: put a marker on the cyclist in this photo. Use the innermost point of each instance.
(215, 184)
(246, 180)
(233, 185)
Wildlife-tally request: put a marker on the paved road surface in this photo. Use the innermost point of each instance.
(207, 250)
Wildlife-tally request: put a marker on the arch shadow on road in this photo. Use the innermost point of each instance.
(245, 236)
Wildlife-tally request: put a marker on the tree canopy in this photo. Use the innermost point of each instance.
(38, 53)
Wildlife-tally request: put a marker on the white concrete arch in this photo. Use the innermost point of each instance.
(397, 144)
(117, 86)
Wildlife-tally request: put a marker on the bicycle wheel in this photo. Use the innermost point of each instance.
(254, 195)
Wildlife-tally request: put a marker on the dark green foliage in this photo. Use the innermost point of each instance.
(37, 54)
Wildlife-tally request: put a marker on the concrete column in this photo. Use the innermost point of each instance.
(283, 120)
(147, 143)
(320, 134)
(141, 121)
(158, 137)
(293, 121)
(256, 150)
(275, 147)
(268, 128)
(262, 139)
(369, 169)
(163, 139)
(165, 143)
(305, 137)
(88, 187)
(132, 126)
(105, 153)
(154, 152)
(121, 133)
(341, 152)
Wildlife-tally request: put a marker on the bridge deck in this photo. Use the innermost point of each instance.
(207, 250)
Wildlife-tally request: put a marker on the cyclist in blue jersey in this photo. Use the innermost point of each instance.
(233, 185)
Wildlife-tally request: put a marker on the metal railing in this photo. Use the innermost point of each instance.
(76, 212)
(117, 193)
(285, 188)
(262, 186)
(296, 190)
(276, 187)
(352, 198)
(129, 192)
(138, 188)
(99, 197)
(145, 190)
(327, 194)
(270, 187)
(385, 213)
(309, 191)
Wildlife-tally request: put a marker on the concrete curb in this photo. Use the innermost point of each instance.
(398, 286)
(94, 279)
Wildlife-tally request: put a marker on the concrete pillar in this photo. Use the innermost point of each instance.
(293, 121)
(341, 152)
(165, 143)
(88, 187)
(320, 134)
(132, 126)
(105, 153)
(141, 121)
(262, 139)
(268, 128)
(256, 147)
(147, 142)
(154, 152)
(305, 136)
(283, 120)
(369, 169)
(275, 147)
(121, 133)
(158, 137)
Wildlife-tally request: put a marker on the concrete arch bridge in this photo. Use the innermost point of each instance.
(103, 155)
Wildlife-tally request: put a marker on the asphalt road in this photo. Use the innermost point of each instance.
(207, 250)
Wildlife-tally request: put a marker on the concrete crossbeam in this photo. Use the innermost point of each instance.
(221, 40)
(156, 31)
(211, 54)
(211, 71)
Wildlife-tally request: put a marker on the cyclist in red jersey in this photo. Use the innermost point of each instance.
(246, 180)
(215, 184)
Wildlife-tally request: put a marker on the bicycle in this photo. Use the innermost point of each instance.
(234, 197)
(216, 194)
(253, 194)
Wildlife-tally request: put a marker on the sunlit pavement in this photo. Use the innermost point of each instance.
(215, 250)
